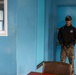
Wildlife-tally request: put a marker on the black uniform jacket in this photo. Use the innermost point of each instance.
(67, 35)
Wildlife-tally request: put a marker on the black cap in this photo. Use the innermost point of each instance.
(68, 18)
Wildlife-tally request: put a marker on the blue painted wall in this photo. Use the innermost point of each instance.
(26, 21)
(19, 49)
(27, 15)
(8, 43)
(47, 39)
(33, 21)
(52, 31)
(40, 31)
(66, 2)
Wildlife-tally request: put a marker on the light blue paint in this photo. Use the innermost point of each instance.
(62, 12)
(8, 43)
(40, 31)
(21, 44)
(52, 28)
(66, 2)
(47, 27)
(27, 15)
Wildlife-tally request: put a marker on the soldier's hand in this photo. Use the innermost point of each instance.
(68, 46)
(64, 47)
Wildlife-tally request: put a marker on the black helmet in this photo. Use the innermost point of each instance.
(68, 18)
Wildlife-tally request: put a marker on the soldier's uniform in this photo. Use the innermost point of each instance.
(68, 52)
(67, 39)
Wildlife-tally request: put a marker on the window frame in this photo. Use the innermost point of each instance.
(5, 31)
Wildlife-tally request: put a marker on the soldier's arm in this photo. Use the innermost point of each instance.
(60, 37)
(75, 35)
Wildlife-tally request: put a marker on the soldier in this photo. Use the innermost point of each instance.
(67, 39)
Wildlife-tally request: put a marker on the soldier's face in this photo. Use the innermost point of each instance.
(68, 23)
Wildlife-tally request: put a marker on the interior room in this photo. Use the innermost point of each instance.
(28, 33)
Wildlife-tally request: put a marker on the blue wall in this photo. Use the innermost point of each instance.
(46, 31)
(18, 53)
(19, 48)
(8, 43)
(40, 31)
(66, 2)
(33, 21)
(52, 30)
(27, 15)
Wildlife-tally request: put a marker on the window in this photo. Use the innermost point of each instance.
(3, 17)
(1, 20)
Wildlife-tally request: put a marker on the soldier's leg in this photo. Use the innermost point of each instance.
(71, 58)
(71, 61)
(63, 55)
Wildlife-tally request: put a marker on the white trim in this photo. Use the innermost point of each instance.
(5, 32)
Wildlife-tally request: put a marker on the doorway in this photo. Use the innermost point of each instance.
(62, 12)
